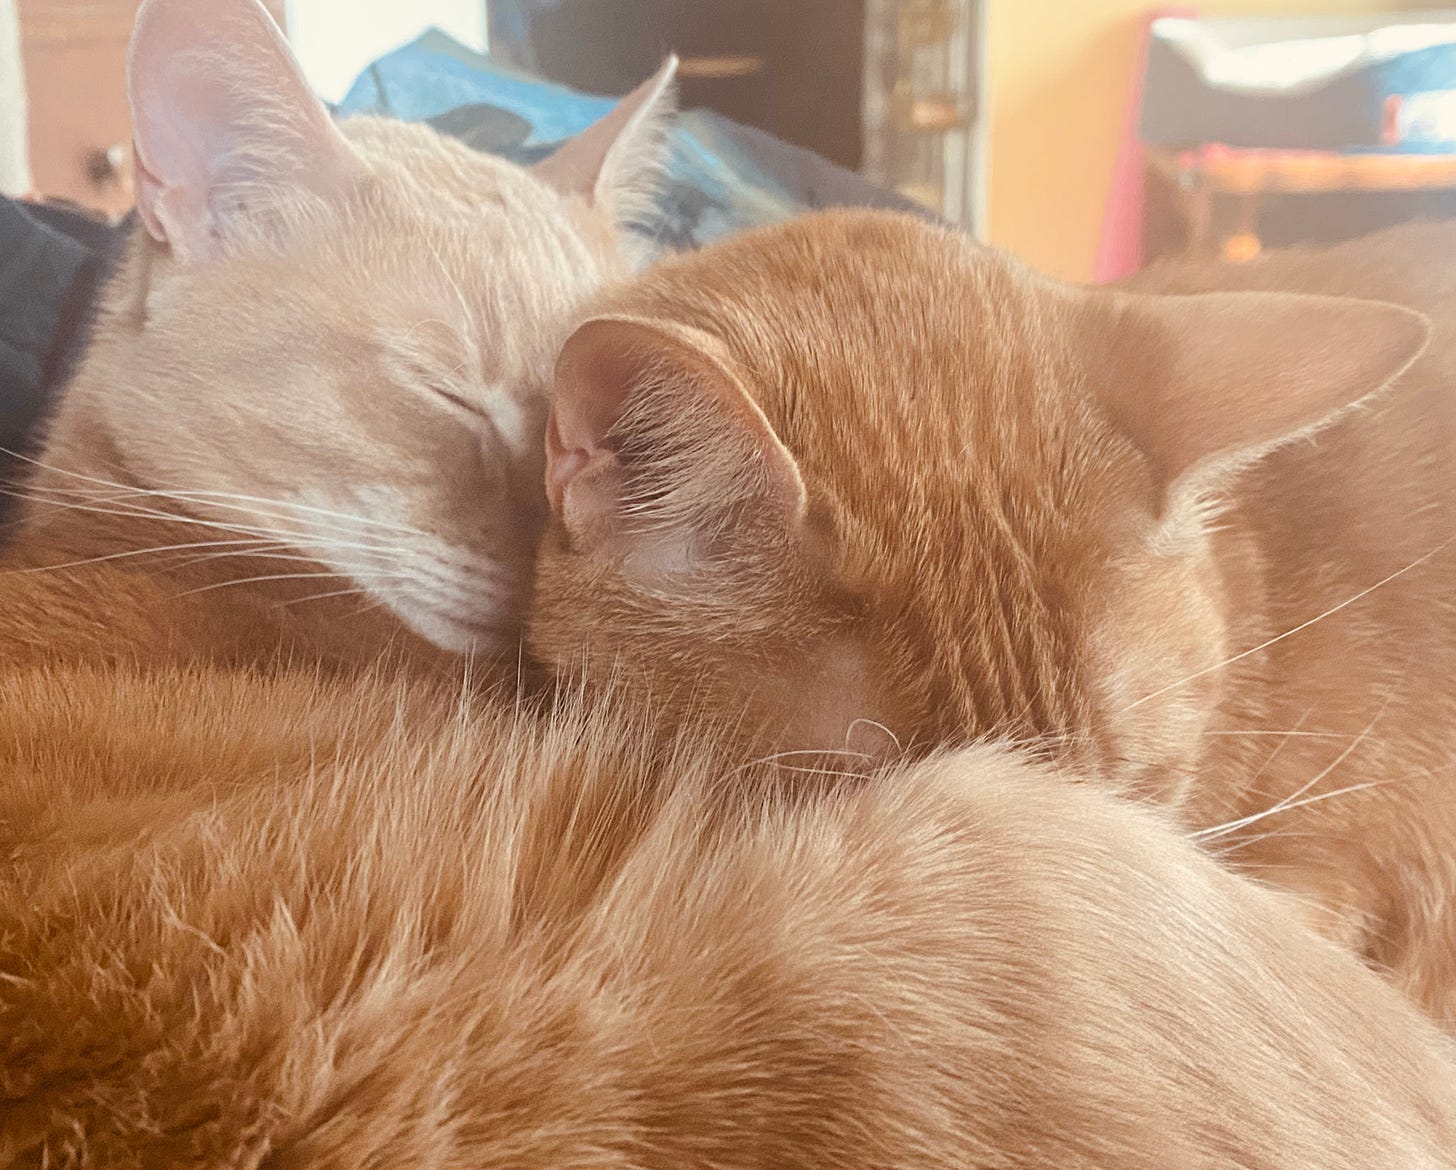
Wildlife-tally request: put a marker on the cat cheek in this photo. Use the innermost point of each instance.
(840, 705)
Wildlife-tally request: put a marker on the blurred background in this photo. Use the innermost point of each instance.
(1086, 135)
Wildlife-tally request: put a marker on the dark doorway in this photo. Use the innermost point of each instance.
(794, 68)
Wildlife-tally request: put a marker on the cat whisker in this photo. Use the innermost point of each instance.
(356, 591)
(878, 726)
(372, 603)
(148, 513)
(249, 550)
(277, 537)
(830, 772)
(1274, 755)
(454, 284)
(1293, 799)
(1334, 609)
(123, 507)
(1283, 807)
(296, 538)
(221, 498)
(363, 588)
(22, 458)
(776, 757)
(264, 554)
(257, 580)
(1254, 732)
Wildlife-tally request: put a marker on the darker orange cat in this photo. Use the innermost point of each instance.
(288, 924)
(858, 476)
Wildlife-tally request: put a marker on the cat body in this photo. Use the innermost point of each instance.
(318, 374)
(874, 486)
(1358, 524)
(286, 918)
(293, 923)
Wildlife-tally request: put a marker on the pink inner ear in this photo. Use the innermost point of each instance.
(148, 196)
(592, 384)
(219, 108)
(563, 463)
(716, 446)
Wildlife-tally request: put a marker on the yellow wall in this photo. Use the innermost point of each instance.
(1057, 76)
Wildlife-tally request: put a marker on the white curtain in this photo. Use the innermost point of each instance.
(335, 39)
(14, 128)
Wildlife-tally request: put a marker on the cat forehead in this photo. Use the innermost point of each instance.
(444, 234)
(441, 164)
(480, 207)
(896, 359)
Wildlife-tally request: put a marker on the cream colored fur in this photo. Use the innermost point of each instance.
(321, 368)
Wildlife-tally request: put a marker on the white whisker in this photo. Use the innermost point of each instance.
(454, 284)
(255, 555)
(1334, 609)
(257, 580)
(1292, 801)
(269, 535)
(1287, 806)
(221, 498)
(1291, 734)
(354, 591)
(248, 550)
(878, 726)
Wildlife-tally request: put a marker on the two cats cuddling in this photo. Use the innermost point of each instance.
(982, 722)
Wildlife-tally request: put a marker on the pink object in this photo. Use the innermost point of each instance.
(1120, 250)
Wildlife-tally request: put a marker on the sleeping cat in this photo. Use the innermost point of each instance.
(287, 923)
(860, 482)
(319, 374)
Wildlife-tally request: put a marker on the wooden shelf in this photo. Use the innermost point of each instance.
(1256, 172)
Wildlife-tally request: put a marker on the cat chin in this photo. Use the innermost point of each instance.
(453, 633)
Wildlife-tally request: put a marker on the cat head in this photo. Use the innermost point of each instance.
(859, 479)
(340, 336)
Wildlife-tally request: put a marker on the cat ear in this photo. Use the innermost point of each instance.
(223, 121)
(1216, 380)
(613, 163)
(654, 449)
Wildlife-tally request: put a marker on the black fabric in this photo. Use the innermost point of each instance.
(51, 258)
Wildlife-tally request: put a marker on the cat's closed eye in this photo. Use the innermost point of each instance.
(476, 411)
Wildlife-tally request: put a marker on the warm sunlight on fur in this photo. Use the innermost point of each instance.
(287, 884)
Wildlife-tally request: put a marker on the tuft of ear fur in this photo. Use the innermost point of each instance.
(654, 448)
(1223, 378)
(224, 124)
(614, 163)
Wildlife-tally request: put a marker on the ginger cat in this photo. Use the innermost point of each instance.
(297, 920)
(863, 479)
(319, 374)
(282, 922)
(294, 919)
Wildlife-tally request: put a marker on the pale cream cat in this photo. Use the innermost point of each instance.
(320, 370)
